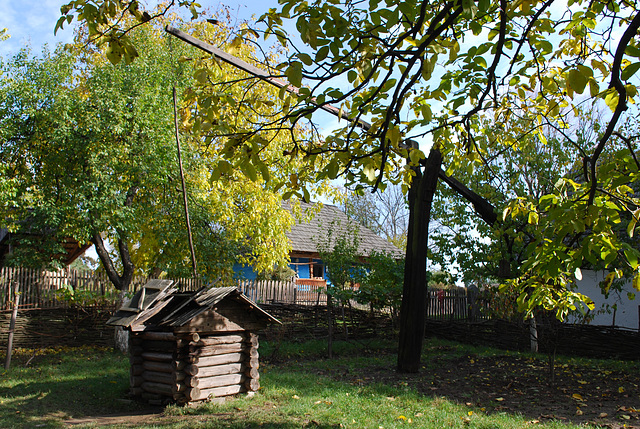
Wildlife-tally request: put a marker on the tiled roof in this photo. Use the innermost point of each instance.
(306, 233)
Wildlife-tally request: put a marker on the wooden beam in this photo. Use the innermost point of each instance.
(255, 71)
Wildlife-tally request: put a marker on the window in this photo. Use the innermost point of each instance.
(317, 270)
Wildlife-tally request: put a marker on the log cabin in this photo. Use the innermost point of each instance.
(191, 346)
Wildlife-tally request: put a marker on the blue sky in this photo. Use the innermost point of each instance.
(32, 21)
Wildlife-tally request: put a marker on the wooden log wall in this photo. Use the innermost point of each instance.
(184, 368)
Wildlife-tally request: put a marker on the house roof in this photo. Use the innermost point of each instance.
(72, 248)
(318, 219)
(158, 304)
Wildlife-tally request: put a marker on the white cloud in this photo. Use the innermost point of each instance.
(31, 22)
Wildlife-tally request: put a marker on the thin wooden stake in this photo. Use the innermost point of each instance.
(184, 188)
(12, 327)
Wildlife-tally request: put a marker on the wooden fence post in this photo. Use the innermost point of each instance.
(12, 326)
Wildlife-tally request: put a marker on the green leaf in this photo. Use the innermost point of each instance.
(114, 51)
(453, 51)
(576, 80)
(249, 170)
(322, 53)
(294, 73)
(629, 71)
(306, 58)
(235, 44)
(632, 51)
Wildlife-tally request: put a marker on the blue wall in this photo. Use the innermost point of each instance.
(247, 273)
(242, 272)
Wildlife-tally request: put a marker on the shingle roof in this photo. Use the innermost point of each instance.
(306, 233)
(159, 304)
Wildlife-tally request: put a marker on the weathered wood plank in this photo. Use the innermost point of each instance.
(158, 388)
(220, 349)
(209, 371)
(158, 357)
(213, 361)
(222, 339)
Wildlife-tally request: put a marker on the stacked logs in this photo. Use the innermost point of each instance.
(166, 367)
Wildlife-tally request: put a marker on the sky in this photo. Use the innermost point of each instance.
(32, 21)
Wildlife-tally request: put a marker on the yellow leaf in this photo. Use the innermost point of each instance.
(577, 396)
(234, 45)
(612, 100)
(620, 389)
(608, 281)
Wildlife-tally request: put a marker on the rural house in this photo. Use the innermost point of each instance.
(305, 235)
(8, 241)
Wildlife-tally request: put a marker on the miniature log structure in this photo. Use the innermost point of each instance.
(191, 346)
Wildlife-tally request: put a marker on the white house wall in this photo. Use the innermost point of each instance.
(626, 314)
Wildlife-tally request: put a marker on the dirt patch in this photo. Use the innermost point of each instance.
(521, 385)
(129, 419)
(144, 418)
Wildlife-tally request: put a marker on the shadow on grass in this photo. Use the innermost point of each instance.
(59, 387)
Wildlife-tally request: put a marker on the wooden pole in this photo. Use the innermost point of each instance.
(12, 326)
(184, 188)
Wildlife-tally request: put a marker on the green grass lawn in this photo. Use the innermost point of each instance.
(299, 389)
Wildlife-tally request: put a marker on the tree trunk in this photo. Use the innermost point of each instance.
(121, 336)
(414, 292)
(533, 332)
(12, 326)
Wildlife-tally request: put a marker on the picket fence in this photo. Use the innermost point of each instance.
(47, 289)
(450, 304)
(44, 289)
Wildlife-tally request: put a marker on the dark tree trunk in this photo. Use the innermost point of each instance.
(414, 292)
(120, 282)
